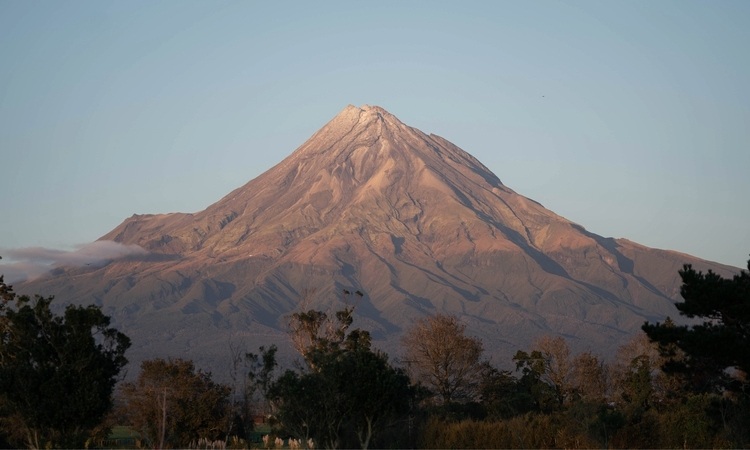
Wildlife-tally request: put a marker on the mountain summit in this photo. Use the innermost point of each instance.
(370, 204)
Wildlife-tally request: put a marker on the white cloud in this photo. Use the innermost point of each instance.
(28, 263)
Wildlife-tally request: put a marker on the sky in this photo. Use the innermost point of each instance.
(631, 118)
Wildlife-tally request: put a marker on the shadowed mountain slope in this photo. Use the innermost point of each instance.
(370, 204)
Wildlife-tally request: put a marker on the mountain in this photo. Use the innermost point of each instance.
(370, 204)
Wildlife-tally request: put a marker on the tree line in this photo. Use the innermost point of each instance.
(670, 386)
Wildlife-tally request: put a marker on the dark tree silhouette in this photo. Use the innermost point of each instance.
(346, 389)
(173, 405)
(57, 373)
(713, 355)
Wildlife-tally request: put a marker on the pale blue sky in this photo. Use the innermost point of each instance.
(630, 118)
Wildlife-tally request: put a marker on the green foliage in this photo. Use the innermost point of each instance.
(735, 414)
(57, 373)
(710, 353)
(580, 426)
(709, 361)
(261, 367)
(502, 395)
(687, 388)
(172, 404)
(526, 431)
(348, 390)
(637, 387)
(543, 396)
(299, 404)
(378, 393)
(316, 336)
(581, 405)
(691, 423)
(640, 431)
(592, 422)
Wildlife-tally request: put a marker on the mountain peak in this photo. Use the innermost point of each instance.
(363, 165)
(368, 203)
(353, 117)
(365, 111)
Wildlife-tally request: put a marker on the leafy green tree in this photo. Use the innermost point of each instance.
(708, 360)
(636, 375)
(547, 372)
(502, 395)
(573, 389)
(299, 404)
(57, 372)
(378, 393)
(532, 367)
(251, 398)
(262, 366)
(171, 404)
(346, 389)
(315, 335)
(714, 353)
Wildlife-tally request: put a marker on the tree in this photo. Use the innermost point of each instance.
(57, 373)
(347, 388)
(544, 396)
(443, 358)
(589, 378)
(172, 404)
(310, 404)
(314, 334)
(260, 374)
(377, 392)
(298, 405)
(502, 395)
(637, 378)
(710, 360)
(546, 372)
(573, 389)
(714, 354)
(355, 391)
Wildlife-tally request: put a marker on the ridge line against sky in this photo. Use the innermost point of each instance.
(629, 118)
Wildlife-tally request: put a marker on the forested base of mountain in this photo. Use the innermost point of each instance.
(670, 387)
